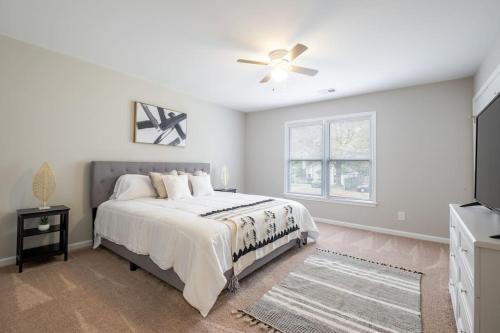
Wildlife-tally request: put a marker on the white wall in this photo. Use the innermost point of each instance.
(488, 65)
(424, 154)
(67, 112)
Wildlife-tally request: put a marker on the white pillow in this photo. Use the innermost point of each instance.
(201, 185)
(157, 182)
(177, 186)
(196, 173)
(130, 187)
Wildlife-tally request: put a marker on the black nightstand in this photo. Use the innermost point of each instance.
(232, 190)
(46, 251)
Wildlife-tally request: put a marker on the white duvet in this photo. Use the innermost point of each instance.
(174, 236)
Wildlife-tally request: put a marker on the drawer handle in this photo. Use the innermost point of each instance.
(463, 250)
(452, 226)
(452, 255)
(462, 331)
(452, 284)
(463, 291)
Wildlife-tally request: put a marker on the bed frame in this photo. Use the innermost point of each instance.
(103, 177)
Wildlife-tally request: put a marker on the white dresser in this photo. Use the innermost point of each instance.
(474, 282)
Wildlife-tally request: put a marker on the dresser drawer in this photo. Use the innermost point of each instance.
(465, 309)
(464, 321)
(453, 282)
(453, 296)
(453, 228)
(466, 326)
(466, 289)
(453, 223)
(454, 238)
(466, 249)
(462, 326)
(454, 276)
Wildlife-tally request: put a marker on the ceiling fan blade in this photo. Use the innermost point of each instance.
(252, 62)
(266, 78)
(303, 70)
(297, 50)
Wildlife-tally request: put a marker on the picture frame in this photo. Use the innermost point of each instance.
(159, 125)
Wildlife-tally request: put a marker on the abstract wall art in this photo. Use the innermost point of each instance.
(160, 126)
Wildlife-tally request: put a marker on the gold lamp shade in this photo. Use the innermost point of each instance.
(44, 184)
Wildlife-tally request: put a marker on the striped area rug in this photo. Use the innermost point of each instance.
(331, 292)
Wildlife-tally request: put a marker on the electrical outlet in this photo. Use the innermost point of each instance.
(401, 216)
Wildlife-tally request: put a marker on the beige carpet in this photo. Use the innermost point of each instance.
(95, 291)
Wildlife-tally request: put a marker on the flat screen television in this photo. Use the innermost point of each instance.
(487, 188)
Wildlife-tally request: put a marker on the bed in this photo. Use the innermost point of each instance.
(180, 241)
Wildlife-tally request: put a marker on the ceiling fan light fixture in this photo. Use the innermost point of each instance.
(279, 74)
(280, 64)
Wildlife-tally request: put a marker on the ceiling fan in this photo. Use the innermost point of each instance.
(281, 63)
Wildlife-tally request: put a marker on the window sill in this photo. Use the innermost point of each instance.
(365, 203)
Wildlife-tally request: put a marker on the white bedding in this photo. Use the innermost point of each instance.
(174, 236)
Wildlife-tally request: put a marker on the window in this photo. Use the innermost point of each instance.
(332, 158)
(306, 159)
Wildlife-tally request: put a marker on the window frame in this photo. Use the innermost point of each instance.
(325, 162)
(321, 160)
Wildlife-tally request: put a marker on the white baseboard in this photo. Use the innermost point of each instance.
(7, 261)
(73, 246)
(384, 230)
(80, 245)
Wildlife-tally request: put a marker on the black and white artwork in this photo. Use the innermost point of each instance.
(160, 126)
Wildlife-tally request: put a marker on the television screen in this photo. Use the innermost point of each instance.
(488, 156)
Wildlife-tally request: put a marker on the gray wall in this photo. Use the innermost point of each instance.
(488, 65)
(424, 154)
(67, 112)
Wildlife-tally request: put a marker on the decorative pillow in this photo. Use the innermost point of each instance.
(130, 187)
(157, 182)
(177, 187)
(196, 173)
(201, 185)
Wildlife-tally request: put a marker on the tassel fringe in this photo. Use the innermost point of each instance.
(303, 239)
(252, 321)
(370, 261)
(233, 284)
(299, 242)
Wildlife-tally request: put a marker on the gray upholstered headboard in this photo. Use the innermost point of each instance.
(105, 173)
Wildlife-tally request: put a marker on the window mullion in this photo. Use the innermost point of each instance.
(326, 155)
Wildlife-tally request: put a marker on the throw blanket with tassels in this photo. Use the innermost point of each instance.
(257, 229)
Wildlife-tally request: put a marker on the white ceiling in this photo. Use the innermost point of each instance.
(192, 46)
